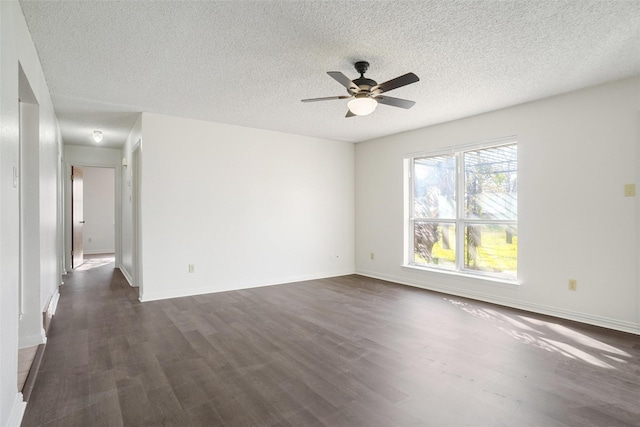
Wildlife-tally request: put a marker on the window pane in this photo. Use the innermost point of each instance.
(434, 244)
(434, 187)
(491, 183)
(491, 248)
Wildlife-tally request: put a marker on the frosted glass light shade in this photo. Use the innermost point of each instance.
(97, 136)
(362, 106)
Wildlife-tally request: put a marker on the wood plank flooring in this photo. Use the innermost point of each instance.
(25, 359)
(347, 351)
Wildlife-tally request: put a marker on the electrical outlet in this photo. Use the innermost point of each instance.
(373, 255)
(629, 190)
(573, 285)
(192, 268)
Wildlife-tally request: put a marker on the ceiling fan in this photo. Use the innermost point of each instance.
(367, 93)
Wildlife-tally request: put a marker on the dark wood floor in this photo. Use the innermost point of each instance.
(348, 351)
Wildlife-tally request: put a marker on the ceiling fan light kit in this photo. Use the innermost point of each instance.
(362, 105)
(367, 93)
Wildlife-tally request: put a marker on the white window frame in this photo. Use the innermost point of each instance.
(460, 222)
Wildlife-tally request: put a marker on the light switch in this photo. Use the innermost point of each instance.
(629, 190)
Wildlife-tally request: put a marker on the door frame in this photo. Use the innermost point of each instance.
(67, 207)
(77, 241)
(136, 216)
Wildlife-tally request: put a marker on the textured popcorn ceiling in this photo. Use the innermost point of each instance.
(250, 63)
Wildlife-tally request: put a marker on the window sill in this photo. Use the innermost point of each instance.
(510, 283)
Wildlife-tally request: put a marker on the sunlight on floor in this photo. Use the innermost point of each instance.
(549, 336)
(96, 261)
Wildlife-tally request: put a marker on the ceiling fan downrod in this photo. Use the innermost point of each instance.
(361, 67)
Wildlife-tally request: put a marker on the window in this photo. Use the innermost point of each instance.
(463, 212)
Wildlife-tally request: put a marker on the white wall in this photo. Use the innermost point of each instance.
(77, 155)
(575, 153)
(247, 207)
(99, 210)
(17, 49)
(127, 261)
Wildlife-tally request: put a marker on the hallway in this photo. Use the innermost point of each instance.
(92, 307)
(346, 351)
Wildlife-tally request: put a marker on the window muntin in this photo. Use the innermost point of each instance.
(474, 233)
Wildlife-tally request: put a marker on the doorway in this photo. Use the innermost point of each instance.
(26, 179)
(93, 213)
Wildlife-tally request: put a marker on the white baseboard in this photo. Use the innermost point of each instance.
(100, 252)
(605, 322)
(177, 293)
(17, 411)
(127, 276)
(54, 302)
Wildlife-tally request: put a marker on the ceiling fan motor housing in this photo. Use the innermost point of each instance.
(363, 83)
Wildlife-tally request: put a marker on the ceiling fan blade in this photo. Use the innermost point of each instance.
(395, 102)
(349, 114)
(403, 80)
(327, 98)
(343, 80)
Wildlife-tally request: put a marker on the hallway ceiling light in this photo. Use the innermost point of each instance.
(97, 136)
